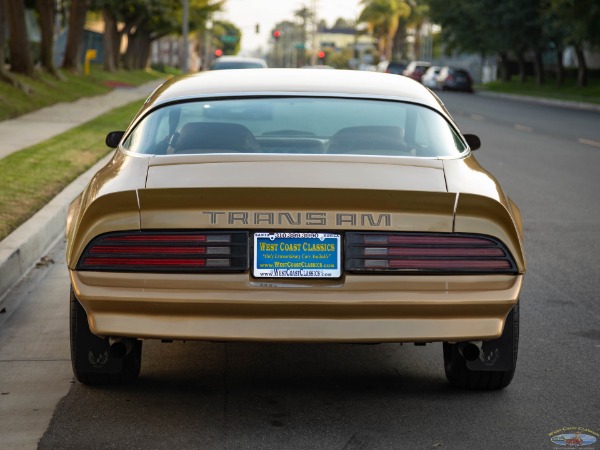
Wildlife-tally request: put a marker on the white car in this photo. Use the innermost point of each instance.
(429, 78)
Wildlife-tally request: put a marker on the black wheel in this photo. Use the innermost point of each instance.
(459, 375)
(90, 356)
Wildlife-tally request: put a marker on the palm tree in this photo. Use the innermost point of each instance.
(382, 18)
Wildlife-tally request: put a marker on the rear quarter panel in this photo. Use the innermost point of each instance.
(483, 207)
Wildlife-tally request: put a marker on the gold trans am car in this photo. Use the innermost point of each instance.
(295, 206)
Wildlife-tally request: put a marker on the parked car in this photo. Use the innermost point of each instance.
(416, 69)
(291, 205)
(395, 67)
(318, 67)
(453, 79)
(430, 76)
(237, 62)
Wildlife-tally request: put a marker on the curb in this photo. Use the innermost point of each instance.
(21, 249)
(542, 101)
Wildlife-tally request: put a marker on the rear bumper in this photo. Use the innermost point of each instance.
(237, 307)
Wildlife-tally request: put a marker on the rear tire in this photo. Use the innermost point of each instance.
(90, 355)
(460, 376)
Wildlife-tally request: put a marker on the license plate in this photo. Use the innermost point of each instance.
(296, 255)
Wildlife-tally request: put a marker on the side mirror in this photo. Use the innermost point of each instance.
(473, 141)
(113, 138)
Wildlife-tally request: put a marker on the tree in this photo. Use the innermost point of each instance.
(419, 13)
(18, 42)
(343, 23)
(305, 15)
(111, 12)
(77, 13)
(579, 20)
(151, 19)
(520, 26)
(227, 37)
(148, 20)
(45, 10)
(474, 26)
(382, 18)
(555, 36)
(523, 19)
(111, 41)
(4, 75)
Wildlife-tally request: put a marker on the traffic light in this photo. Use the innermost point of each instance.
(218, 52)
(321, 56)
(276, 34)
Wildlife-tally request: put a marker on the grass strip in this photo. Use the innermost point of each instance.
(48, 90)
(33, 176)
(569, 91)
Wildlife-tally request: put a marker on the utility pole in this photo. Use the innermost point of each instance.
(185, 31)
(207, 43)
(314, 50)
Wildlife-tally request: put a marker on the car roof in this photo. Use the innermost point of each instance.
(300, 82)
(230, 58)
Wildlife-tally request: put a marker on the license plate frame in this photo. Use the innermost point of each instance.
(297, 255)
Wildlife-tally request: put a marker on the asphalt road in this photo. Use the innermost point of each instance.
(234, 396)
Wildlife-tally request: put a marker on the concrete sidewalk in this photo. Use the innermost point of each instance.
(38, 126)
(20, 251)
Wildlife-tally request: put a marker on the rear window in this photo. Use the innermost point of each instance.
(296, 125)
(236, 65)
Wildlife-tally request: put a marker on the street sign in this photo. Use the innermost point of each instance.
(228, 39)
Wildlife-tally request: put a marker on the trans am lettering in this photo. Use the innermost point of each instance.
(298, 219)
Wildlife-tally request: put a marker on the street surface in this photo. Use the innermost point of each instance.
(234, 396)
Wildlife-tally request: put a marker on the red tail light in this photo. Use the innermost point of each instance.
(169, 251)
(426, 253)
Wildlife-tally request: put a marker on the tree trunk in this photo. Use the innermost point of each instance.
(400, 42)
(504, 67)
(560, 69)
(108, 38)
(140, 49)
(20, 56)
(389, 43)
(77, 13)
(145, 53)
(522, 73)
(582, 72)
(417, 44)
(129, 52)
(125, 31)
(46, 20)
(117, 39)
(5, 75)
(540, 77)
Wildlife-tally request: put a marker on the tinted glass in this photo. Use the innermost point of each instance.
(296, 125)
(236, 65)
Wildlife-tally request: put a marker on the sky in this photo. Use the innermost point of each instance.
(245, 14)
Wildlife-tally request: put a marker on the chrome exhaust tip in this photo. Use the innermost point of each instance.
(120, 347)
(469, 350)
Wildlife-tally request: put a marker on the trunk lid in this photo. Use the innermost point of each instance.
(296, 192)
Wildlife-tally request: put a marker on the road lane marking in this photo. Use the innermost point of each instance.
(478, 117)
(523, 128)
(589, 142)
